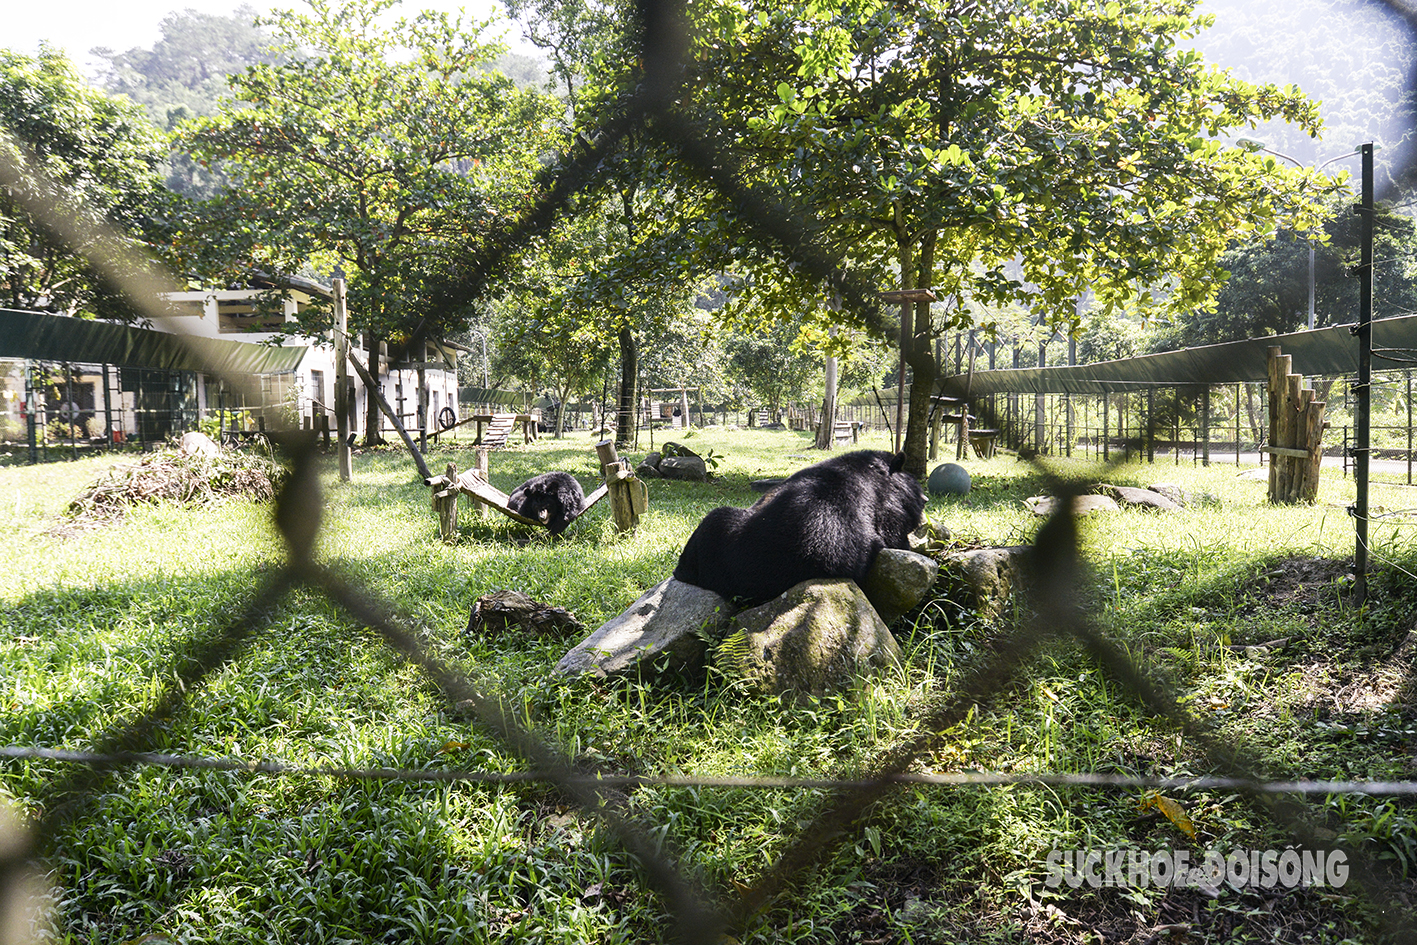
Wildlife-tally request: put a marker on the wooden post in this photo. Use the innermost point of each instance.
(1278, 368)
(483, 469)
(1296, 434)
(422, 405)
(342, 404)
(445, 503)
(627, 494)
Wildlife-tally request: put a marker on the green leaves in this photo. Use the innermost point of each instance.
(102, 152)
(391, 151)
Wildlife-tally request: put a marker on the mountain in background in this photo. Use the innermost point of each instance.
(1358, 58)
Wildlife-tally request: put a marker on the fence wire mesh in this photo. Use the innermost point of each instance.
(1057, 577)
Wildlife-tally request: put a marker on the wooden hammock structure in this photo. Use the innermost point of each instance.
(628, 494)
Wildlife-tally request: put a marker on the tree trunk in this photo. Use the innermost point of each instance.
(373, 420)
(919, 356)
(626, 424)
(561, 410)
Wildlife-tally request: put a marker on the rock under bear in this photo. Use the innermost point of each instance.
(553, 498)
(829, 520)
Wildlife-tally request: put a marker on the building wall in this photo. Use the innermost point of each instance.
(243, 315)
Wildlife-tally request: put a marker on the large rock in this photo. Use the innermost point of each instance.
(1141, 498)
(898, 581)
(677, 449)
(983, 579)
(665, 628)
(1173, 492)
(686, 468)
(816, 638)
(1082, 504)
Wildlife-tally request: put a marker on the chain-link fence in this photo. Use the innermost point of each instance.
(1056, 575)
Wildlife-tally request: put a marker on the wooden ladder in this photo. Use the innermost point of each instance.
(501, 426)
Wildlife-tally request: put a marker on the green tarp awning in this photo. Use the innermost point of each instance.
(1323, 351)
(39, 336)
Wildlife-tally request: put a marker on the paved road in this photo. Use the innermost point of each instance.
(1332, 459)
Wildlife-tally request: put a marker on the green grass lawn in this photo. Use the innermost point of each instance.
(95, 624)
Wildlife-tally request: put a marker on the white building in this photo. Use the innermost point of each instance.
(74, 380)
(265, 314)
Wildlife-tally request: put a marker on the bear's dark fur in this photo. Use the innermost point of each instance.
(826, 521)
(553, 498)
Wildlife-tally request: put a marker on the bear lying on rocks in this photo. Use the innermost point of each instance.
(829, 520)
(553, 498)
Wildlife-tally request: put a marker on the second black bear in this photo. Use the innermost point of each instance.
(829, 520)
(553, 498)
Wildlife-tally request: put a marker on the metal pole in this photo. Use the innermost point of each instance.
(1151, 425)
(1365, 379)
(1311, 285)
(1237, 424)
(1408, 372)
(1106, 444)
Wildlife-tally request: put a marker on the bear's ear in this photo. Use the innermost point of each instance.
(898, 462)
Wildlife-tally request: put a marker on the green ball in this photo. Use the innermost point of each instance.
(949, 479)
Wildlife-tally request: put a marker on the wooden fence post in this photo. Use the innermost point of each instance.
(628, 495)
(483, 469)
(445, 503)
(1296, 434)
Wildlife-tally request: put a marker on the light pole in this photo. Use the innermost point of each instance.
(1252, 145)
(481, 333)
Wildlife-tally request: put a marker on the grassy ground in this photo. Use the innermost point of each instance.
(93, 622)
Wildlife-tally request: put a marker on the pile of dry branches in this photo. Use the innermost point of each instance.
(173, 476)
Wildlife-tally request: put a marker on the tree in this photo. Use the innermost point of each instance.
(547, 335)
(591, 46)
(387, 150)
(772, 365)
(185, 76)
(101, 152)
(996, 151)
(1267, 290)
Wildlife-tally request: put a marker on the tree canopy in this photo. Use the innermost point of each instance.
(387, 150)
(102, 155)
(185, 75)
(995, 152)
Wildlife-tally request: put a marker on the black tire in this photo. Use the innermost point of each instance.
(447, 417)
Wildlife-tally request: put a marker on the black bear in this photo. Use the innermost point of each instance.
(553, 498)
(826, 521)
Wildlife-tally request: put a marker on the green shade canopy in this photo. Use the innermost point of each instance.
(1323, 351)
(42, 337)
